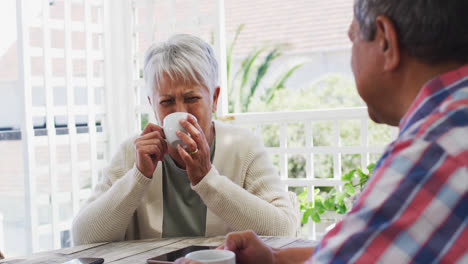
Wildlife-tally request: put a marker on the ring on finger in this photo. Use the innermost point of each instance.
(194, 152)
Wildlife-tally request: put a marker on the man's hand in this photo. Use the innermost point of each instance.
(150, 148)
(186, 261)
(248, 248)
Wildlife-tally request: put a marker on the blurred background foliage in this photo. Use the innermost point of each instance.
(331, 91)
(248, 81)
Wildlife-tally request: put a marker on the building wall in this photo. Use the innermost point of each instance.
(316, 65)
(10, 105)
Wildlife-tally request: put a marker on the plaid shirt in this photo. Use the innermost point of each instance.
(414, 208)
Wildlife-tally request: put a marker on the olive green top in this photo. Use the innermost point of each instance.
(184, 211)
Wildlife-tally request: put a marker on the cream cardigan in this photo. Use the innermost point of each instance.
(241, 191)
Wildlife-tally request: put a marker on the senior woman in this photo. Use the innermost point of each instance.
(222, 181)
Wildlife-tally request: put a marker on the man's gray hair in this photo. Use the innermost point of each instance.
(183, 58)
(434, 31)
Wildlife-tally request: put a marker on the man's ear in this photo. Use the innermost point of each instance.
(387, 38)
(214, 106)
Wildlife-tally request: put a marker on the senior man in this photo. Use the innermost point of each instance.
(410, 62)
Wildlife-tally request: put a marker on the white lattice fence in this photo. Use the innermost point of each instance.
(61, 60)
(305, 137)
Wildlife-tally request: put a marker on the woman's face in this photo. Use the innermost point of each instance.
(179, 97)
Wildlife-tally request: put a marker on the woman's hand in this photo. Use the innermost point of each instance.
(150, 148)
(197, 155)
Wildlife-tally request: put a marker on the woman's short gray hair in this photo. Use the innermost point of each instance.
(434, 31)
(183, 58)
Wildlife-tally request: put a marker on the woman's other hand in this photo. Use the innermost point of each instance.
(197, 154)
(150, 148)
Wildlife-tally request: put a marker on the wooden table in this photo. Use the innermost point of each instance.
(138, 251)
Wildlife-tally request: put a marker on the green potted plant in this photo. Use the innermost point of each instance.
(338, 199)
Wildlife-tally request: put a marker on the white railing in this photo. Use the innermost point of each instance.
(259, 122)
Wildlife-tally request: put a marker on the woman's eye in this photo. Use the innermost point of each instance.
(166, 102)
(192, 99)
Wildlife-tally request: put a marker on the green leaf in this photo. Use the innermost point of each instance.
(302, 197)
(230, 50)
(246, 69)
(315, 217)
(339, 198)
(318, 204)
(348, 176)
(318, 199)
(341, 208)
(348, 188)
(370, 167)
(316, 191)
(320, 210)
(247, 64)
(260, 74)
(329, 204)
(305, 217)
(279, 84)
(361, 173)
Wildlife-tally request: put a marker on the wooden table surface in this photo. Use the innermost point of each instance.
(138, 251)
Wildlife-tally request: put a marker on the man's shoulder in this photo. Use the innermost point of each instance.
(448, 121)
(440, 138)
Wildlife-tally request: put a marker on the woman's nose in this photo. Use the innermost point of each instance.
(180, 107)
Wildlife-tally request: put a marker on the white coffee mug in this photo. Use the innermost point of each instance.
(171, 125)
(213, 256)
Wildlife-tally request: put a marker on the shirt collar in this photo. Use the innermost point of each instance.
(431, 95)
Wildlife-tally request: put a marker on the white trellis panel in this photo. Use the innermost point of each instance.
(27, 131)
(70, 161)
(90, 86)
(50, 122)
(70, 107)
